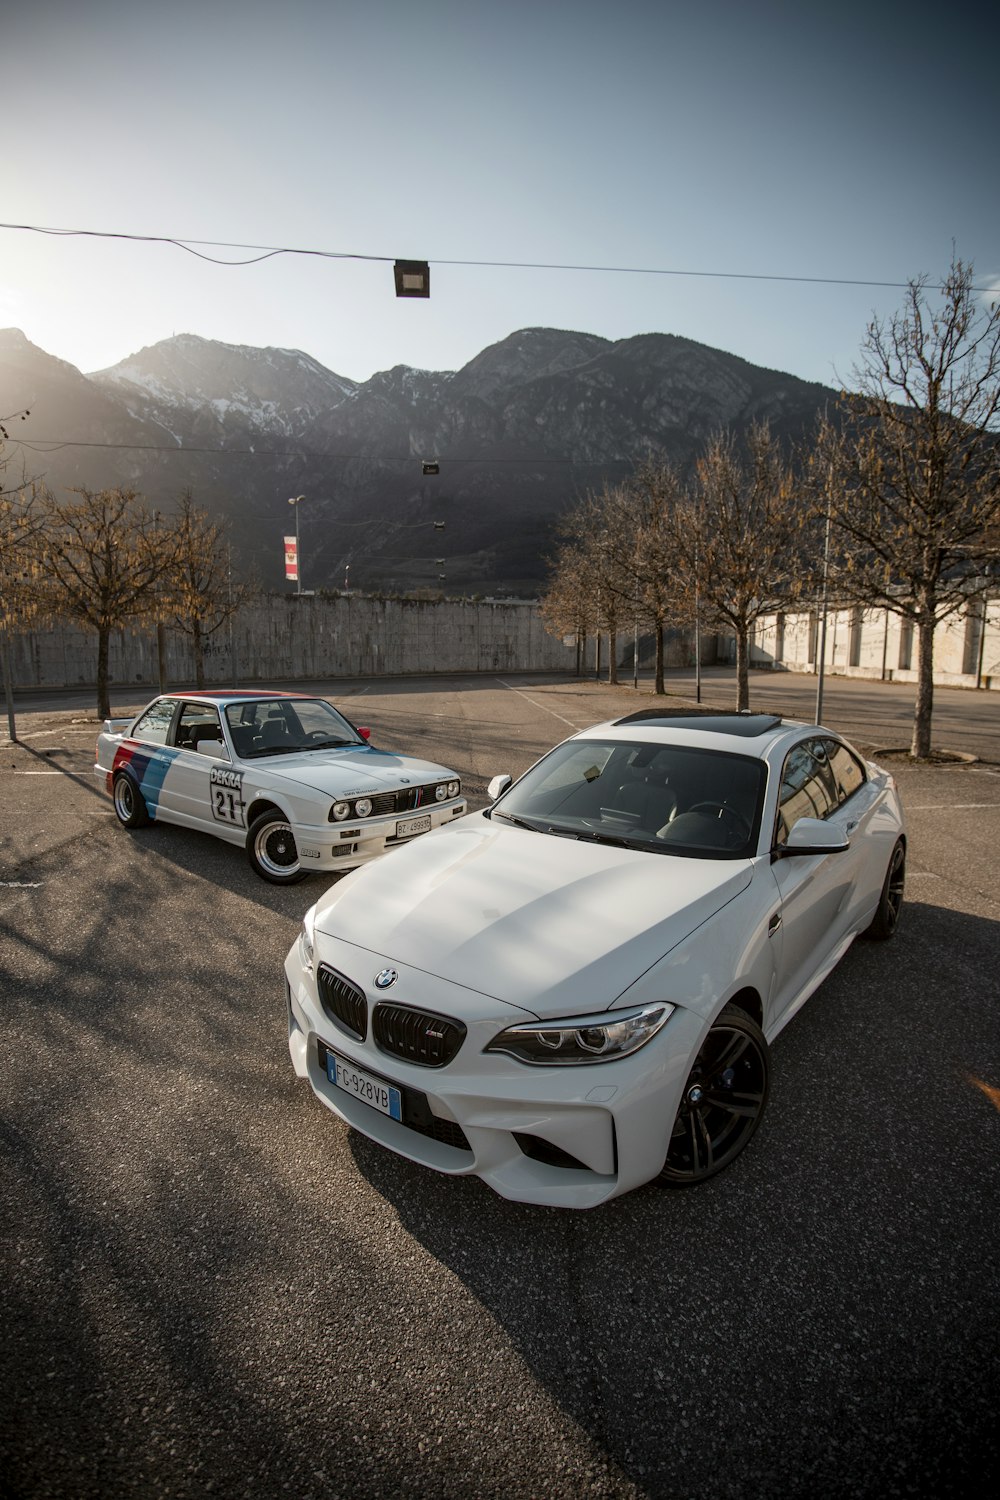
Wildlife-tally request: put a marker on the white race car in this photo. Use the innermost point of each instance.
(574, 991)
(282, 774)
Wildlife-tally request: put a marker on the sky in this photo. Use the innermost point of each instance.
(724, 169)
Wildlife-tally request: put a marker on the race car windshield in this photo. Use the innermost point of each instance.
(279, 726)
(663, 799)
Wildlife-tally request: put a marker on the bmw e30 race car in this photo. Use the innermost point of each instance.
(285, 775)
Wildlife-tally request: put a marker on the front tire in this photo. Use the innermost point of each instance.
(272, 851)
(883, 924)
(723, 1101)
(130, 806)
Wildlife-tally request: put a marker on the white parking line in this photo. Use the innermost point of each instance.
(951, 806)
(535, 704)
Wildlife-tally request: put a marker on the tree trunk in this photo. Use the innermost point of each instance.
(198, 647)
(103, 696)
(742, 668)
(923, 708)
(659, 657)
(612, 655)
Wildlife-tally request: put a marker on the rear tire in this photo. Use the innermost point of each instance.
(130, 805)
(883, 924)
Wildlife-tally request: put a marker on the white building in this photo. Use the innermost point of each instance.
(877, 643)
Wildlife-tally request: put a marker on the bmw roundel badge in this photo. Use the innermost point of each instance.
(385, 978)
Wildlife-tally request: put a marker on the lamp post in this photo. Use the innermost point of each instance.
(297, 500)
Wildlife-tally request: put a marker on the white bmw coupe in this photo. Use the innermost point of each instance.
(573, 992)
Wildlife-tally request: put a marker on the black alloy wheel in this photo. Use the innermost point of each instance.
(890, 903)
(722, 1103)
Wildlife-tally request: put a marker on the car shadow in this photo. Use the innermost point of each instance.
(767, 1332)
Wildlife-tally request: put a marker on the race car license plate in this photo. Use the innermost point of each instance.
(381, 1096)
(411, 826)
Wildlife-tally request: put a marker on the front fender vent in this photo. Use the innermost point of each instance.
(417, 1036)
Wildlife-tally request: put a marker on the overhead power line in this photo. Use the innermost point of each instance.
(267, 252)
(53, 445)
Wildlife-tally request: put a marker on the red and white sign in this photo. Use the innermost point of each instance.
(291, 559)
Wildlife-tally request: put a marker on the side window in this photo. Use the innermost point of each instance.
(154, 725)
(197, 722)
(807, 786)
(848, 773)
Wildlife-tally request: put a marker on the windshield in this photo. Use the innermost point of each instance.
(660, 798)
(286, 726)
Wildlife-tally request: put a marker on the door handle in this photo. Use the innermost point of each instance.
(774, 923)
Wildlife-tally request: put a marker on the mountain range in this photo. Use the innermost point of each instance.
(518, 436)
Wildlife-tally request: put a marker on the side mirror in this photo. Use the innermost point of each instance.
(812, 836)
(498, 786)
(364, 731)
(214, 748)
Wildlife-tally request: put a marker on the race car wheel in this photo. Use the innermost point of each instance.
(128, 800)
(722, 1103)
(272, 852)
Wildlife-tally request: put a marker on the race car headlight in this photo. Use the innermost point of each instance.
(307, 939)
(441, 791)
(454, 787)
(339, 811)
(581, 1039)
(362, 807)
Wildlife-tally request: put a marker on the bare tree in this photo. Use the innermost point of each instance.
(101, 559)
(738, 539)
(910, 473)
(200, 592)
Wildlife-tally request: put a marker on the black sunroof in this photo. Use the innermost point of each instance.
(746, 726)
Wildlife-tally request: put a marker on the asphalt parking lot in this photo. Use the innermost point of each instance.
(211, 1287)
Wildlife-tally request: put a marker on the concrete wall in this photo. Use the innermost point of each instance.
(285, 637)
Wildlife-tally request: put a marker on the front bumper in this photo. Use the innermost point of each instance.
(568, 1137)
(345, 846)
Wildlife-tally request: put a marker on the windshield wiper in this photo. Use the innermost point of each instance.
(513, 818)
(616, 840)
(331, 744)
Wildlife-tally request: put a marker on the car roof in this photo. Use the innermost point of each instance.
(232, 695)
(737, 733)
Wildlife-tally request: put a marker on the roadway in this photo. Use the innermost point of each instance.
(211, 1287)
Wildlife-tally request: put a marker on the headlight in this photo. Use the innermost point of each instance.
(581, 1039)
(307, 939)
(340, 811)
(441, 791)
(362, 807)
(454, 787)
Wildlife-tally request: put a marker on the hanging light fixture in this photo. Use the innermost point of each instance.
(413, 278)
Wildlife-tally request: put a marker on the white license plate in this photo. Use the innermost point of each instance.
(381, 1096)
(413, 825)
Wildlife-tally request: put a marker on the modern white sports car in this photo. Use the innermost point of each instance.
(284, 775)
(573, 992)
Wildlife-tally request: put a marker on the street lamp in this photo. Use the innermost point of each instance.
(297, 500)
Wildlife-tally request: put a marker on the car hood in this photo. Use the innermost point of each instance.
(356, 772)
(545, 923)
